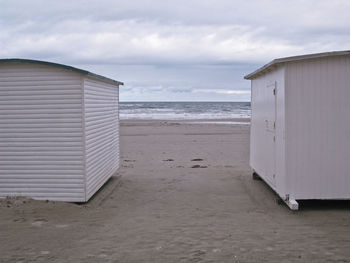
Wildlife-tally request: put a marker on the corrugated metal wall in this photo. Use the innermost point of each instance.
(101, 133)
(318, 127)
(41, 150)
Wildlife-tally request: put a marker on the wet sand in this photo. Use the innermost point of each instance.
(184, 193)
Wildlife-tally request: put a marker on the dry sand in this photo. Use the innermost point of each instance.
(184, 193)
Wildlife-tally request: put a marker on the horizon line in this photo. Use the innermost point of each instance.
(176, 101)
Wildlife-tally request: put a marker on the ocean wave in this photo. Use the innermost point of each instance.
(184, 110)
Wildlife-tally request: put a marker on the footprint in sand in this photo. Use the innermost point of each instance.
(199, 166)
(20, 219)
(197, 160)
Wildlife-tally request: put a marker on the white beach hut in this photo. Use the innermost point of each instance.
(59, 130)
(300, 126)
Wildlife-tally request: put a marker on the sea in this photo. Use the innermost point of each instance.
(184, 110)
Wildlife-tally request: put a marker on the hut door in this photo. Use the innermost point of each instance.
(270, 126)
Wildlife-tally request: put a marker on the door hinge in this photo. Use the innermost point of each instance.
(274, 125)
(274, 91)
(274, 138)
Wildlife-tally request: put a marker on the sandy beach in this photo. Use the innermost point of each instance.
(184, 193)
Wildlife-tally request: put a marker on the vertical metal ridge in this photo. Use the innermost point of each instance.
(84, 135)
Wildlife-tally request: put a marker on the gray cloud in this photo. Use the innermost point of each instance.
(172, 49)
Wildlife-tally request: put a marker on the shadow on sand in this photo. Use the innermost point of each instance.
(324, 205)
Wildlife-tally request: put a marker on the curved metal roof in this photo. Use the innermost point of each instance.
(279, 61)
(69, 68)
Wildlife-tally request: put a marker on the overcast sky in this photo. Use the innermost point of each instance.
(183, 50)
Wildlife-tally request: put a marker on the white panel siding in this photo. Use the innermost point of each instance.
(280, 134)
(318, 127)
(101, 133)
(41, 136)
(262, 149)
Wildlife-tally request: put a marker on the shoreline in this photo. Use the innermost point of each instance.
(186, 121)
